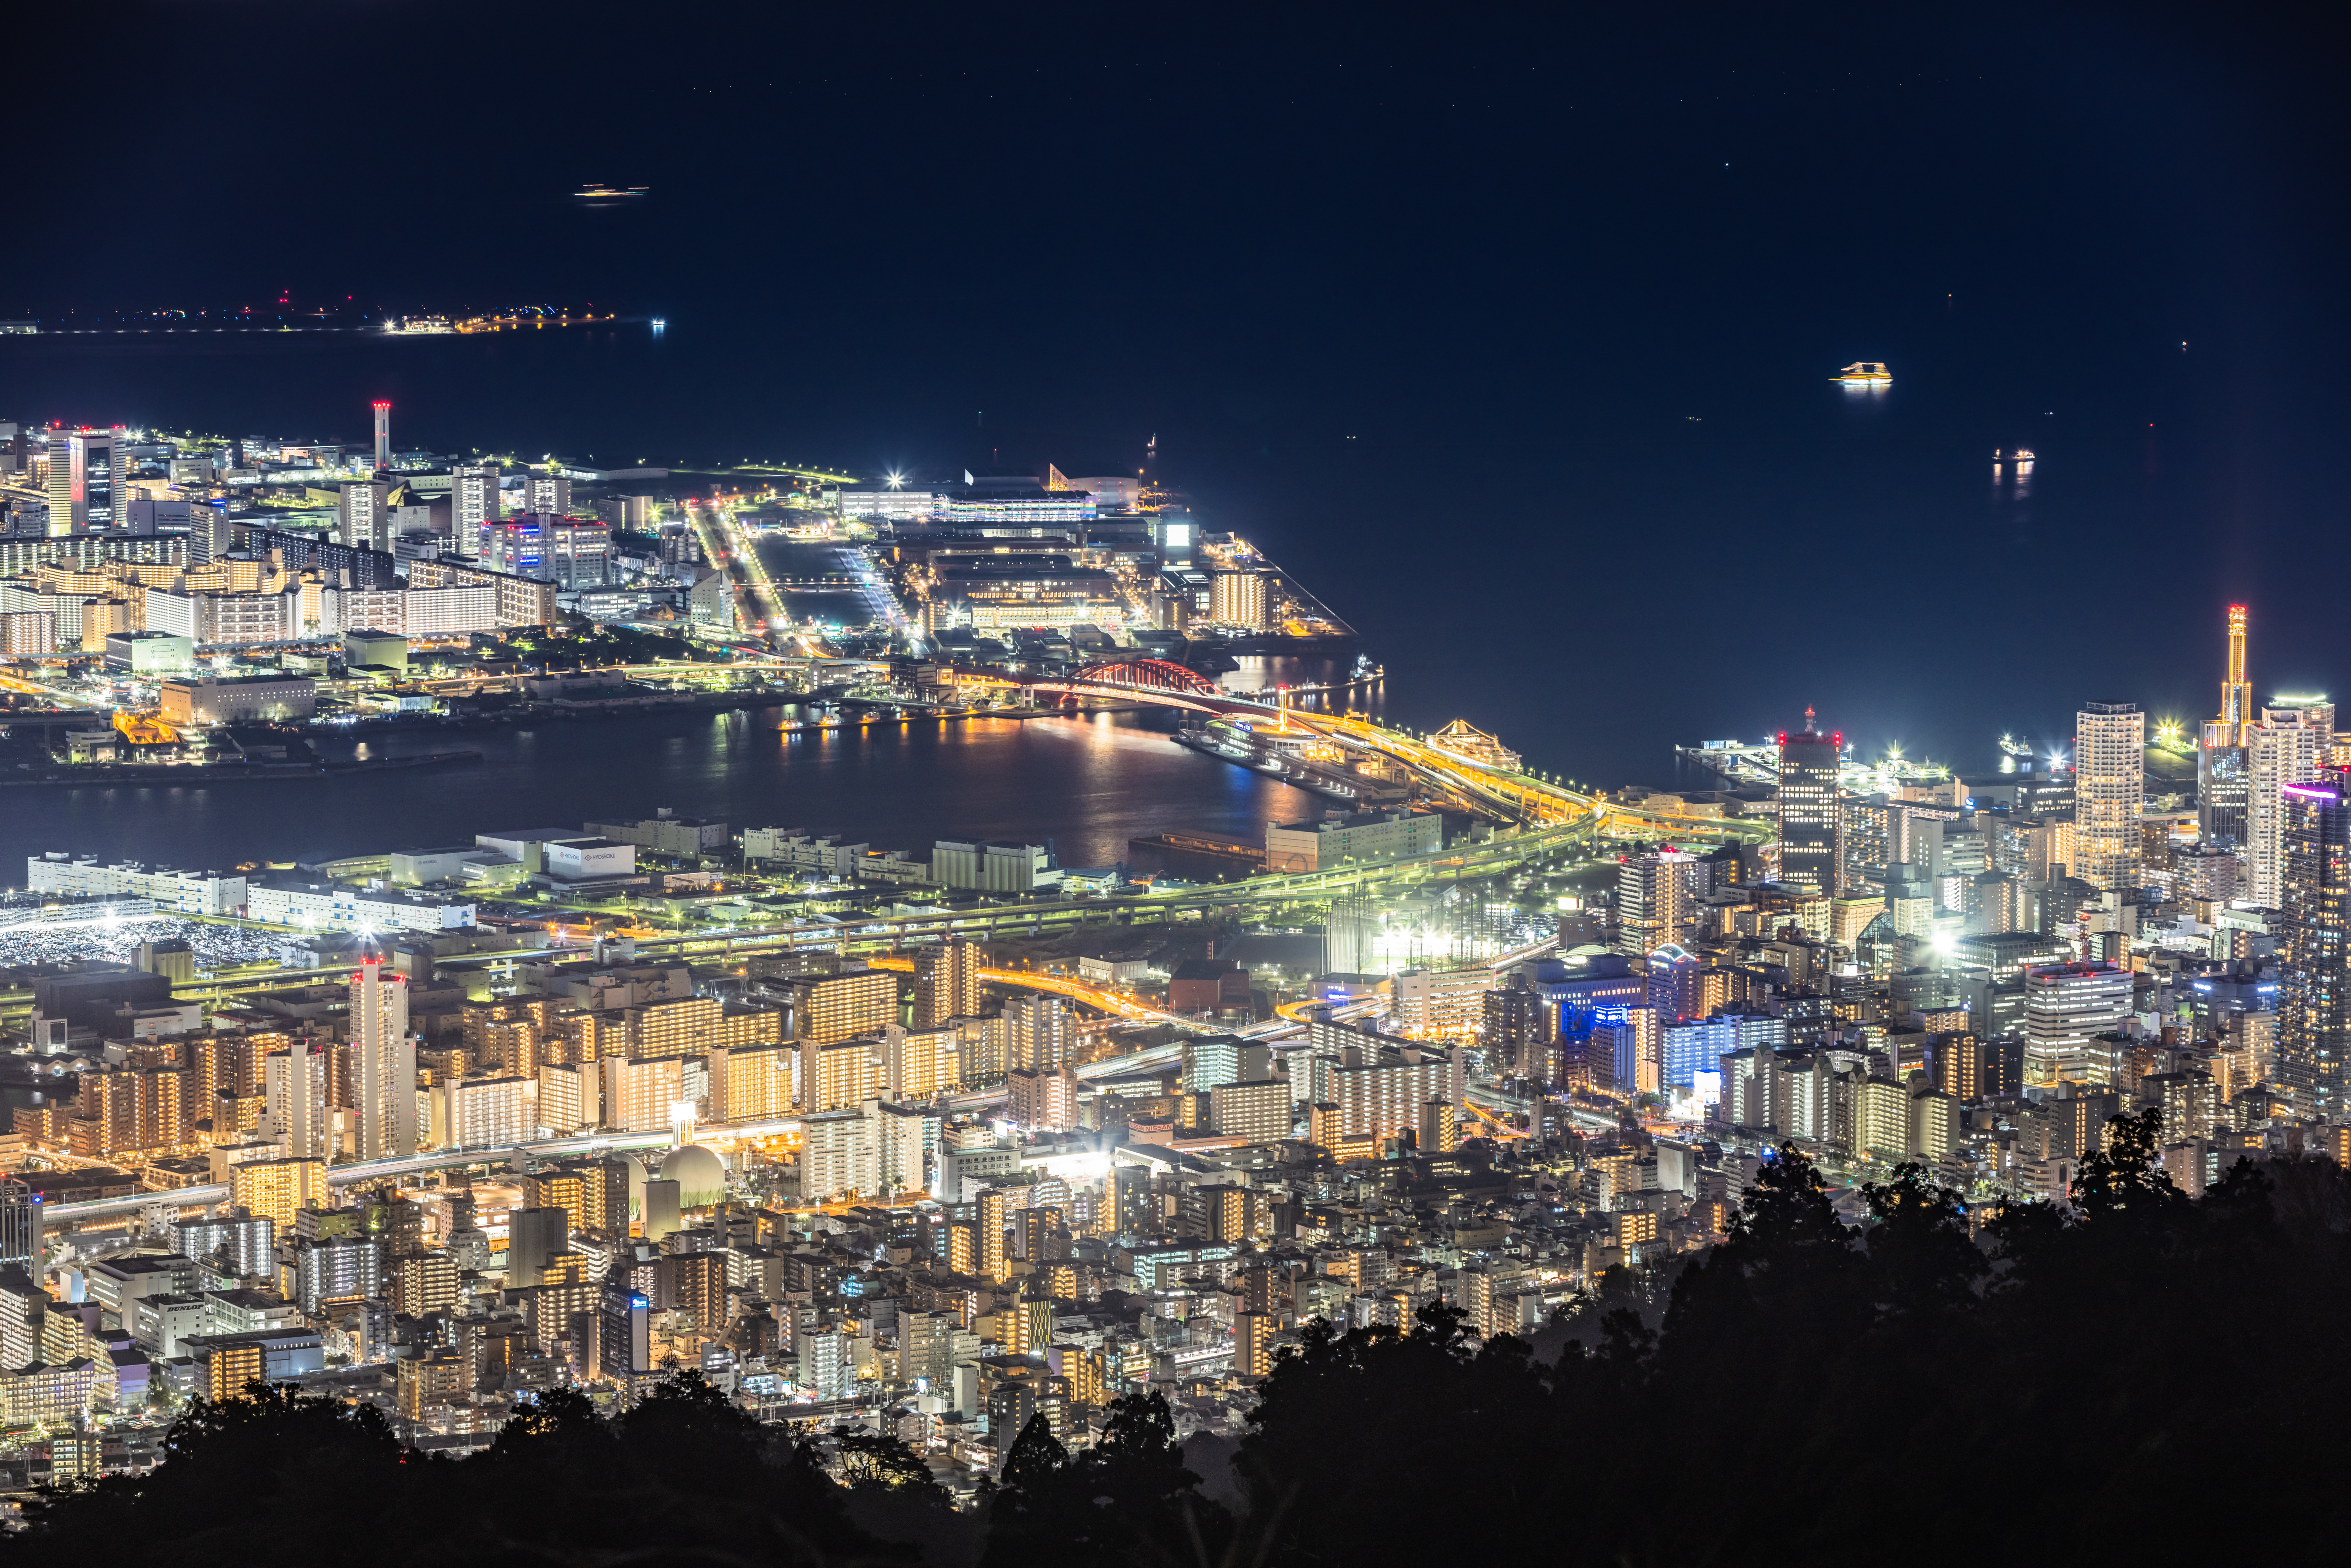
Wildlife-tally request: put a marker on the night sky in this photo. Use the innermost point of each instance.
(1510, 334)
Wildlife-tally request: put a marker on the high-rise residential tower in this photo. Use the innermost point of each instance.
(2314, 1024)
(1239, 599)
(473, 502)
(363, 515)
(294, 1099)
(2288, 745)
(383, 1062)
(1811, 829)
(946, 983)
(1655, 903)
(2109, 787)
(1041, 1033)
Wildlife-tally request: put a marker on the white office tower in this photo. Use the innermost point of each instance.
(473, 501)
(2069, 1009)
(382, 436)
(384, 1063)
(2286, 745)
(2109, 787)
(294, 1101)
(550, 494)
(363, 515)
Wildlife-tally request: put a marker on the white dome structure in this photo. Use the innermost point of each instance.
(700, 1174)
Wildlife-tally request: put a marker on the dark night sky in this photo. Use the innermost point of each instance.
(1570, 282)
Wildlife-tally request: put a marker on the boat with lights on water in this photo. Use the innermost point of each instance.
(1865, 373)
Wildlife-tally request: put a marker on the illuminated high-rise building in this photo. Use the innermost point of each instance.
(550, 494)
(989, 1218)
(294, 1099)
(2222, 782)
(839, 1074)
(2236, 691)
(946, 983)
(2221, 762)
(473, 502)
(363, 515)
(85, 481)
(2288, 745)
(2314, 1024)
(1130, 1207)
(383, 435)
(279, 1190)
(1040, 1032)
(623, 1340)
(1516, 1031)
(1253, 1342)
(1866, 837)
(20, 1225)
(1239, 599)
(2067, 1009)
(828, 1008)
(592, 1194)
(383, 1062)
(2109, 788)
(918, 1063)
(1655, 903)
(1811, 828)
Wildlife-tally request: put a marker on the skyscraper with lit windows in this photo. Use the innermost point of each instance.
(2314, 1028)
(2222, 763)
(946, 983)
(383, 1062)
(1811, 828)
(2288, 745)
(2109, 788)
(85, 481)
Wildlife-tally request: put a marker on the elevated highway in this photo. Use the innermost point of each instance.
(1503, 795)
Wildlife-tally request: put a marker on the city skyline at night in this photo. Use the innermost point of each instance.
(1017, 790)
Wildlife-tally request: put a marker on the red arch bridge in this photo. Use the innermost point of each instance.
(1152, 680)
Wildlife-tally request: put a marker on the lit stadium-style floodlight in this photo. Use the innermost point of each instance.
(897, 481)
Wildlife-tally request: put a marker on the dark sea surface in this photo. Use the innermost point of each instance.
(1088, 785)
